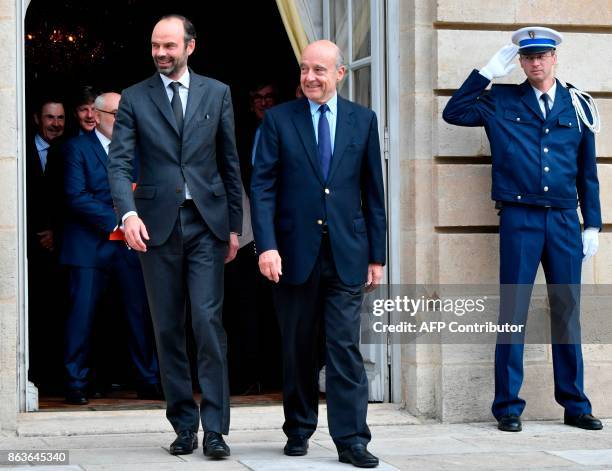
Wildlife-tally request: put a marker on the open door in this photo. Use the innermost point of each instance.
(357, 27)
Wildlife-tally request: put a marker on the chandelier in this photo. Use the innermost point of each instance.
(59, 48)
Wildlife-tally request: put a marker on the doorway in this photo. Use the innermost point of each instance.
(70, 43)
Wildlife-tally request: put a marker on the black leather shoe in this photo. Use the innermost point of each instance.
(186, 441)
(358, 455)
(215, 446)
(151, 392)
(77, 397)
(296, 446)
(585, 421)
(510, 423)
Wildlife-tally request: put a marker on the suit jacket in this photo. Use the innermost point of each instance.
(43, 198)
(90, 216)
(544, 162)
(204, 156)
(37, 217)
(290, 200)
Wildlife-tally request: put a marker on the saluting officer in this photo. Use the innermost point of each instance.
(543, 153)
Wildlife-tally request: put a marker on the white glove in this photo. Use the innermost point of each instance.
(500, 63)
(590, 242)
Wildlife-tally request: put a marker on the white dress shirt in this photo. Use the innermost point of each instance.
(184, 94)
(551, 97)
(105, 141)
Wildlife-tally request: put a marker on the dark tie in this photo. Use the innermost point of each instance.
(325, 149)
(544, 98)
(177, 105)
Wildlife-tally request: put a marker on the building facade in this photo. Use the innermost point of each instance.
(442, 224)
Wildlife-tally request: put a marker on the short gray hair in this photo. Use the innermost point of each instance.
(339, 58)
(100, 101)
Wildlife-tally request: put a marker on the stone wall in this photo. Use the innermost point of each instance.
(8, 218)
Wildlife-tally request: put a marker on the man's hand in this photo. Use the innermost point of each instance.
(590, 242)
(135, 231)
(375, 274)
(232, 247)
(270, 265)
(500, 63)
(46, 239)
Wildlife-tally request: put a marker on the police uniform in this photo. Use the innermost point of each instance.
(543, 166)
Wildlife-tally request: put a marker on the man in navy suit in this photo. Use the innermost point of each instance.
(543, 166)
(318, 214)
(92, 258)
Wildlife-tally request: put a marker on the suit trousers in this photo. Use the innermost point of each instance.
(189, 267)
(86, 287)
(323, 303)
(528, 235)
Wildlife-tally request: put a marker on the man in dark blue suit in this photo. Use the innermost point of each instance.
(92, 258)
(318, 214)
(543, 166)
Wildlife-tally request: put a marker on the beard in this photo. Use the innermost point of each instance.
(174, 65)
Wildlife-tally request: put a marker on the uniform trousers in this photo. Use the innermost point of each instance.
(530, 235)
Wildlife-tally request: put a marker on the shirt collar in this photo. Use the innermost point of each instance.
(551, 92)
(41, 144)
(183, 79)
(105, 141)
(332, 103)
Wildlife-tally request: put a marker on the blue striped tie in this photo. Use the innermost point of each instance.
(324, 144)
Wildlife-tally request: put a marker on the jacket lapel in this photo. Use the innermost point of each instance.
(562, 102)
(302, 120)
(530, 100)
(196, 93)
(160, 98)
(98, 149)
(344, 127)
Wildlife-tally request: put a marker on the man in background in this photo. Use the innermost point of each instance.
(44, 278)
(92, 259)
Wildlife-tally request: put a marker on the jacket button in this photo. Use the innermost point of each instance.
(546, 130)
(545, 188)
(518, 197)
(546, 169)
(319, 222)
(518, 119)
(327, 191)
(546, 149)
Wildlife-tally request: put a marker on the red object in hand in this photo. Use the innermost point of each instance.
(117, 234)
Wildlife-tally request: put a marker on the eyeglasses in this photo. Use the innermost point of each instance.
(114, 113)
(267, 97)
(536, 57)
